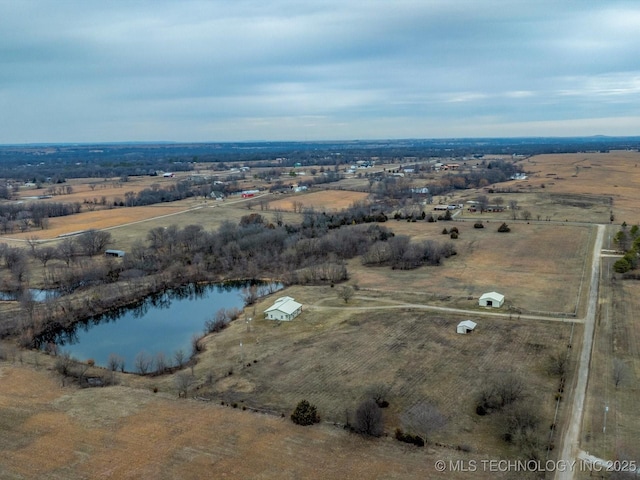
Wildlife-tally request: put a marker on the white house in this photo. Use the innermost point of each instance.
(492, 299)
(284, 308)
(466, 326)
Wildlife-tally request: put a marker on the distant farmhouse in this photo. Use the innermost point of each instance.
(492, 299)
(284, 308)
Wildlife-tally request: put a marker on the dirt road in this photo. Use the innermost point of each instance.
(569, 448)
(419, 306)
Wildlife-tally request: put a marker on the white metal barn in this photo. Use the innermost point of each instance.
(492, 299)
(466, 326)
(284, 308)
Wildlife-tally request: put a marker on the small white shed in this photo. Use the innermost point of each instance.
(284, 308)
(491, 299)
(466, 326)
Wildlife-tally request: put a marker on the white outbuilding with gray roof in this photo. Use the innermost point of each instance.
(284, 308)
(466, 326)
(491, 299)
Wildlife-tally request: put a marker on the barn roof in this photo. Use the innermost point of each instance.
(285, 304)
(469, 324)
(492, 296)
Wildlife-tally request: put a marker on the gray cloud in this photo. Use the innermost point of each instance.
(240, 70)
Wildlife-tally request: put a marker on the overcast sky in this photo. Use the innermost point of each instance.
(187, 70)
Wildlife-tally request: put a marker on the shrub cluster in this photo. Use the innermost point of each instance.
(408, 438)
(305, 414)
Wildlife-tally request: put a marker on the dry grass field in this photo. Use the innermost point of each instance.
(614, 175)
(325, 200)
(100, 220)
(538, 266)
(51, 432)
(128, 224)
(96, 188)
(332, 356)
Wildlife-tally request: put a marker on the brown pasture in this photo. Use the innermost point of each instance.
(111, 188)
(129, 224)
(325, 200)
(539, 267)
(331, 356)
(615, 175)
(100, 219)
(51, 431)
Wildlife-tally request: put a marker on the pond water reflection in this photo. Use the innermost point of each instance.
(36, 294)
(164, 322)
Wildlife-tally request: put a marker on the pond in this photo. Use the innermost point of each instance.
(161, 323)
(37, 295)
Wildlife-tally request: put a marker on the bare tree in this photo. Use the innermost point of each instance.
(620, 372)
(557, 364)
(482, 201)
(15, 259)
(379, 393)
(143, 363)
(298, 207)
(63, 363)
(500, 391)
(27, 303)
(196, 344)
(346, 293)
(218, 322)
(520, 425)
(184, 381)
(368, 420)
(424, 418)
(44, 254)
(115, 362)
(94, 241)
(66, 250)
(161, 363)
(526, 215)
(513, 206)
(33, 243)
(179, 357)
(250, 295)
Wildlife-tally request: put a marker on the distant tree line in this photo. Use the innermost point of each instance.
(38, 163)
(326, 177)
(149, 196)
(399, 252)
(23, 216)
(628, 241)
(486, 173)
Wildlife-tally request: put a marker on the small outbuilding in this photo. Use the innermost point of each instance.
(466, 326)
(114, 253)
(284, 308)
(492, 299)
